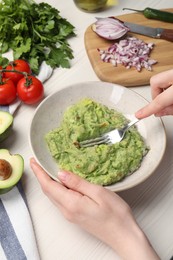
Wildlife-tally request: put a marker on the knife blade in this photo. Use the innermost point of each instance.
(158, 33)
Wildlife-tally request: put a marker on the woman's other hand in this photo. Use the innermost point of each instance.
(162, 96)
(97, 210)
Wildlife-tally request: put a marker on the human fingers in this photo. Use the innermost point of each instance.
(73, 184)
(97, 202)
(166, 111)
(101, 196)
(47, 184)
(74, 205)
(76, 183)
(157, 105)
(77, 195)
(40, 174)
(70, 182)
(161, 81)
(69, 179)
(53, 189)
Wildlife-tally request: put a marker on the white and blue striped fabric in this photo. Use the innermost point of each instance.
(17, 238)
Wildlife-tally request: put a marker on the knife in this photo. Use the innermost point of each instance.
(158, 33)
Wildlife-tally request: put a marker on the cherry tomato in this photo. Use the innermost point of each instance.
(30, 90)
(20, 65)
(7, 91)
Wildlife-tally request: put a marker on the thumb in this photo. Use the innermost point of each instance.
(76, 183)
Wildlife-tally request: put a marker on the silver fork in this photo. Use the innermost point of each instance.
(111, 137)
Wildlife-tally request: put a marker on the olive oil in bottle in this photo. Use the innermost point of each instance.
(91, 5)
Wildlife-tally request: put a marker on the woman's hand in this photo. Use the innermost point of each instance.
(162, 95)
(97, 210)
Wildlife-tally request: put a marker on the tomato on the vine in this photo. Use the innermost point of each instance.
(30, 89)
(20, 65)
(7, 91)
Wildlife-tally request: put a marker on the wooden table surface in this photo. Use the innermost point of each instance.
(162, 52)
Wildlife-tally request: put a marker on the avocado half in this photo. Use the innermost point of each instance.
(14, 164)
(6, 122)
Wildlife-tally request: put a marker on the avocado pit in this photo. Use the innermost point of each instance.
(5, 169)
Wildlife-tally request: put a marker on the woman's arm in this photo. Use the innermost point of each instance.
(97, 210)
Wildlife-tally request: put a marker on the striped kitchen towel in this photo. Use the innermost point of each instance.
(17, 238)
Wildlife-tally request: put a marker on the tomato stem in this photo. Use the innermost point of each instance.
(28, 82)
(25, 74)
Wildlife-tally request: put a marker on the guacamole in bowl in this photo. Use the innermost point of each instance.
(101, 164)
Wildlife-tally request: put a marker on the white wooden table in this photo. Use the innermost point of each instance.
(151, 201)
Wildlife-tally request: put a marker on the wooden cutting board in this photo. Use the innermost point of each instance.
(162, 52)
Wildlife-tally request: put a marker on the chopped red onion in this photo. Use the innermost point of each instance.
(130, 52)
(110, 28)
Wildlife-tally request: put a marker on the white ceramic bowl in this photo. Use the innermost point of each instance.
(49, 113)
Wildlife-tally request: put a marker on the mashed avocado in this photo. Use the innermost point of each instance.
(102, 164)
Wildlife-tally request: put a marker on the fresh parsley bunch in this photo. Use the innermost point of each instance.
(36, 33)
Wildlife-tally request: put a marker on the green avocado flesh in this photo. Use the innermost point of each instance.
(6, 121)
(17, 164)
(101, 164)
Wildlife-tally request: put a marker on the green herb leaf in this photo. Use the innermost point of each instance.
(35, 32)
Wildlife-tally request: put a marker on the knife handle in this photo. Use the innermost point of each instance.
(167, 34)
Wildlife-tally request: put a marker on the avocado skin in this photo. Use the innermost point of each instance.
(18, 169)
(3, 191)
(6, 133)
(7, 130)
